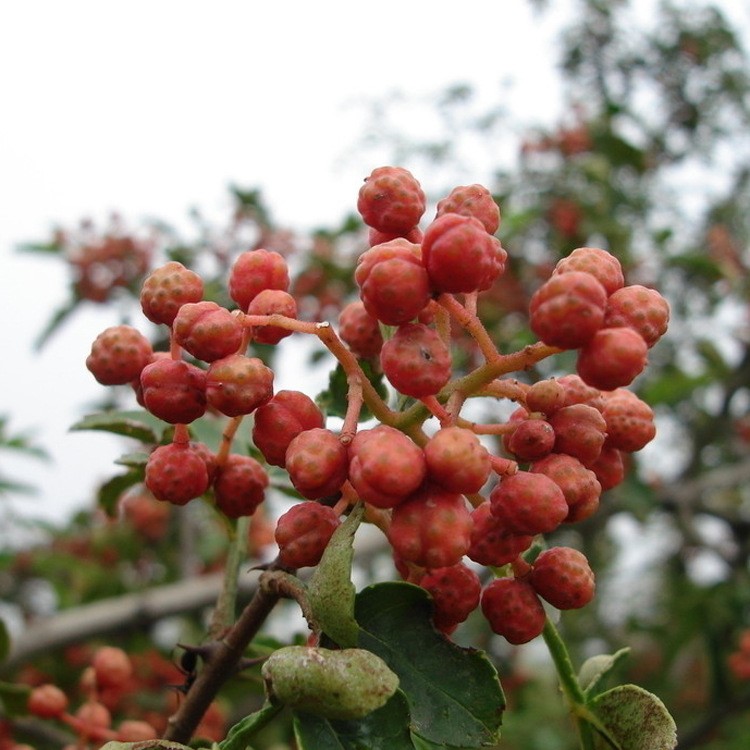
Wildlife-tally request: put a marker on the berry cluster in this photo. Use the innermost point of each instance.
(739, 659)
(445, 501)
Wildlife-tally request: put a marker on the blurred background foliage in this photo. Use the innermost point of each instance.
(650, 160)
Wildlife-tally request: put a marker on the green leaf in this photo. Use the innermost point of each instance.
(145, 745)
(238, 737)
(331, 592)
(454, 694)
(39, 247)
(384, 729)
(635, 718)
(118, 424)
(57, 319)
(13, 698)
(4, 641)
(595, 668)
(136, 460)
(109, 493)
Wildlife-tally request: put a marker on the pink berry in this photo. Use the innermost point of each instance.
(472, 200)
(254, 271)
(579, 485)
(167, 289)
(513, 610)
(176, 473)
(491, 541)
(240, 486)
(456, 460)
(317, 463)
(174, 391)
(455, 592)
(630, 421)
(599, 263)
(303, 533)
(642, 309)
(613, 358)
(238, 384)
(272, 302)
(391, 200)
(562, 576)
(580, 431)
(207, 330)
(360, 331)
(118, 355)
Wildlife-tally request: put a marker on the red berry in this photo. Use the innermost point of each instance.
(391, 200)
(457, 461)
(174, 391)
(118, 355)
(148, 516)
(254, 271)
(167, 289)
(613, 358)
(491, 542)
(272, 302)
(642, 309)
(112, 667)
(568, 309)
(580, 431)
(317, 463)
(579, 485)
(599, 263)
(278, 422)
(91, 718)
(432, 528)
(545, 396)
(240, 486)
(609, 468)
(460, 256)
(385, 466)
(238, 384)
(416, 361)
(394, 286)
(176, 473)
(303, 533)
(207, 330)
(360, 331)
(513, 610)
(562, 576)
(630, 421)
(472, 200)
(528, 503)
(530, 440)
(455, 592)
(578, 392)
(132, 730)
(47, 702)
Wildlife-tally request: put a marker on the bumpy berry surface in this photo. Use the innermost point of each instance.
(238, 384)
(303, 533)
(568, 309)
(240, 486)
(456, 460)
(317, 463)
(360, 331)
(47, 702)
(112, 667)
(272, 302)
(613, 358)
(562, 576)
(599, 263)
(455, 594)
(432, 528)
(530, 440)
(630, 421)
(640, 308)
(279, 421)
(609, 468)
(207, 330)
(394, 286)
(416, 361)
(513, 610)
(578, 392)
(391, 200)
(118, 355)
(256, 270)
(166, 289)
(528, 503)
(472, 200)
(91, 718)
(174, 391)
(460, 256)
(385, 466)
(580, 431)
(545, 396)
(579, 485)
(491, 542)
(176, 473)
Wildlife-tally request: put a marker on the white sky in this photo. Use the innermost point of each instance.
(150, 108)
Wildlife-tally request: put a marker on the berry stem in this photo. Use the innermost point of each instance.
(471, 323)
(354, 402)
(436, 409)
(226, 439)
(181, 434)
